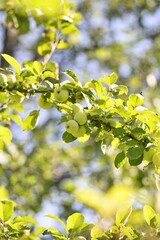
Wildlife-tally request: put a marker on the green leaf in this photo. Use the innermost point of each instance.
(6, 210)
(62, 45)
(38, 67)
(113, 78)
(13, 62)
(136, 100)
(135, 155)
(97, 232)
(135, 152)
(84, 138)
(22, 220)
(118, 132)
(49, 74)
(138, 131)
(123, 214)
(136, 162)
(71, 75)
(67, 137)
(44, 48)
(74, 221)
(31, 121)
(51, 9)
(57, 219)
(5, 136)
(109, 80)
(95, 85)
(16, 119)
(120, 159)
(4, 97)
(120, 89)
(39, 230)
(149, 215)
(55, 233)
(129, 233)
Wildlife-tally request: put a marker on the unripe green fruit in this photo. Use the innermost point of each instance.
(43, 103)
(76, 108)
(61, 94)
(81, 132)
(148, 155)
(3, 80)
(80, 117)
(72, 126)
(156, 159)
(11, 80)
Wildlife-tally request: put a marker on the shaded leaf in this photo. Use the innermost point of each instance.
(135, 152)
(120, 160)
(136, 161)
(67, 137)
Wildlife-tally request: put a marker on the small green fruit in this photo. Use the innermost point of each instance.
(148, 155)
(76, 108)
(81, 132)
(43, 103)
(61, 94)
(72, 126)
(11, 80)
(3, 80)
(80, 117)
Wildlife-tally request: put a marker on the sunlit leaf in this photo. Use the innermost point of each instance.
(6, 210)
(74, 221)
(123, 214)
(97, 232)
(13, 62)
(136, 100)
(71, 75)
(31, 121)
(56, 219)
(5, 135)
(149, 215)
(129, 233)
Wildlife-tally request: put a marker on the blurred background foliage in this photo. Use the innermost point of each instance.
(38, 169)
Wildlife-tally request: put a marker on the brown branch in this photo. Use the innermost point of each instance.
(21, 90)
(9, 43)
